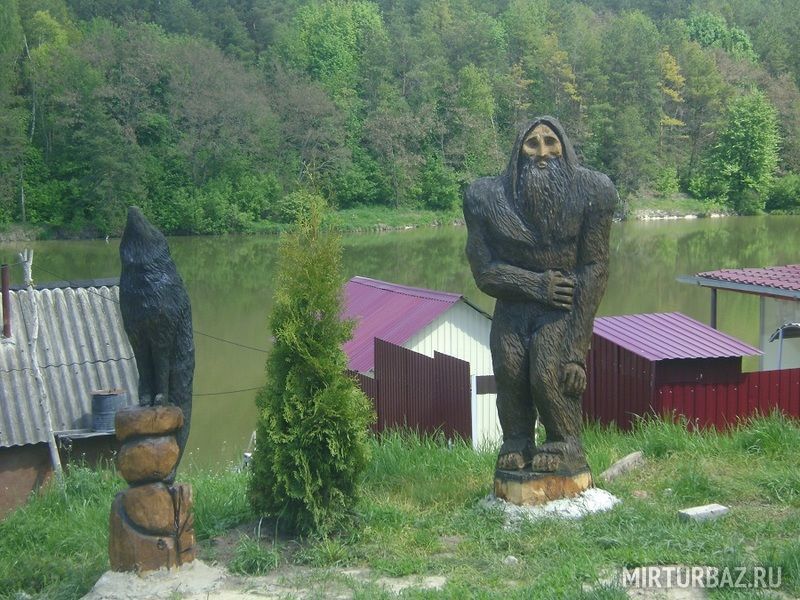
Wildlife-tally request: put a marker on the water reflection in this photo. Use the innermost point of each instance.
(230, 281)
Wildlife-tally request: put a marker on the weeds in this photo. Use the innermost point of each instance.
(253, 558)
(220, 501)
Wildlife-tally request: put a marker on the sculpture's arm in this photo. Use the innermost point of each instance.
(504, 281)
(591, 272)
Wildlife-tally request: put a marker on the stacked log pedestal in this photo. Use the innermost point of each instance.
(151, 524)
(529, 487)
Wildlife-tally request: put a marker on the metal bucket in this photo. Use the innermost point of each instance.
(104, 407)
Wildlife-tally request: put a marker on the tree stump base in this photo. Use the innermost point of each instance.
(528, 487)
(151, 524)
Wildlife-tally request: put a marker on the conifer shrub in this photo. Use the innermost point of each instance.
(312, 431)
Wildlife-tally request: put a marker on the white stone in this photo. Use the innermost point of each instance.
(590, 501)
(703, 513)
(634, 460)
(510, 560)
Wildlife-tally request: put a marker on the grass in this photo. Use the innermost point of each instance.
(253, 558)
(57, 545)
(372, 218)
(348, 220)
(419, 514)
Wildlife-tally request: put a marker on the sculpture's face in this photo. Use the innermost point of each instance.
(542, 144)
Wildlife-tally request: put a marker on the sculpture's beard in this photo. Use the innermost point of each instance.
(541, 188)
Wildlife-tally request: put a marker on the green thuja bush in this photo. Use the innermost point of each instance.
(312, 432)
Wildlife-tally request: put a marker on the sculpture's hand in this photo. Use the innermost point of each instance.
(573, 379)
(560, 289)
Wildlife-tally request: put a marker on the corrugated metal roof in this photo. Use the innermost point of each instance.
(664, 336)
(786, 277)
(387, 311)
(82, 347)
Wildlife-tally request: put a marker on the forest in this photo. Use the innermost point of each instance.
(220, 116)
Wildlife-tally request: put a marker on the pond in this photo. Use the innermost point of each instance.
(230, 281)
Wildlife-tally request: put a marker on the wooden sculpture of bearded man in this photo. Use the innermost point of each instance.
(538, 243)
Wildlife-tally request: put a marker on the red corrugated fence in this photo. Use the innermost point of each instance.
(721, 405)
(413, 390)
(433, 394)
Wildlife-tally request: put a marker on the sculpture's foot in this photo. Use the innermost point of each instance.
(553, 456)
(514, 455)
(145, 400)
(160, 400)
(512, 461)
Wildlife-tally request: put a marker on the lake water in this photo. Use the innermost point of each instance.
(230, 282)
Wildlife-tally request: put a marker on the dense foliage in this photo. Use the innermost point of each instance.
(313, 423)
(208, 113)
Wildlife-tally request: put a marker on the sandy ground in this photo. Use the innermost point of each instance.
(199, 581)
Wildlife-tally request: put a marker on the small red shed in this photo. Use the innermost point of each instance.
(634, 359)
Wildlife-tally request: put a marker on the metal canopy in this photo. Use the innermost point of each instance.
(745, 288)
(775, 282)
(786, 331)
(779, 281)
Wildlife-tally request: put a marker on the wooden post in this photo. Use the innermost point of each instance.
(473, 379)
(713, 308)
(6, 301)
(32, 325)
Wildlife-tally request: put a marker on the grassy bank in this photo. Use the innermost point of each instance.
(20, 233)
(420, 514)
(373, 218)
(649, 206)
(350, 220)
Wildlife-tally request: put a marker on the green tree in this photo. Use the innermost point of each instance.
(12, 112)
(703, 94)
(476, 147)
(628, 140)
(438, 187)
(741, 165)
(535, 46)
(393, 133)
(328, 41)
(784, 194)
(311, 436)
(711, 30)
(632, 46)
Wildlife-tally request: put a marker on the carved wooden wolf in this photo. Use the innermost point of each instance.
(158, 319)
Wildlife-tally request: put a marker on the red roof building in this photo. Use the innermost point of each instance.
(670, 336)
(635, 359)
(429, 323)
(415, 318)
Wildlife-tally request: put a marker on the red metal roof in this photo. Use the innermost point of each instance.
(387, 311)
(786, 277)
(664, 336)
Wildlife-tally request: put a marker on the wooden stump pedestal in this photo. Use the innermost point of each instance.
(538, 487)
(151, 524)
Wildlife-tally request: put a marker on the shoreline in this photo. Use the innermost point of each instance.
(19, 233)
(666, 215)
